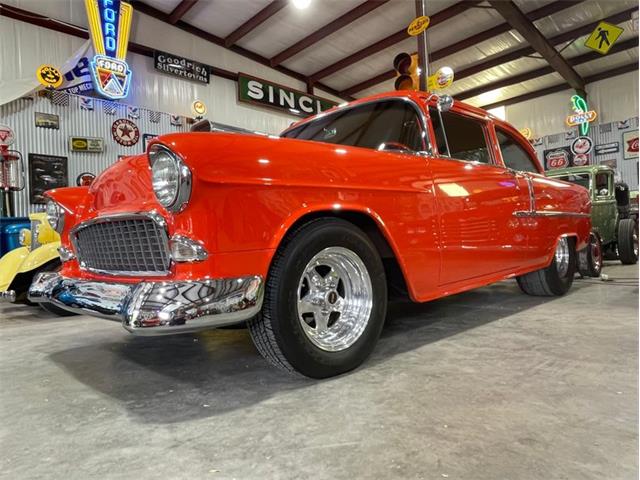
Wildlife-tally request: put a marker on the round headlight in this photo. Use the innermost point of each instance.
(171, 179)
(55, 215)
(24, 237)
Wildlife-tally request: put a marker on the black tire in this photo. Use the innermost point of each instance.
(53, 266)
(548, 282)
(628, 241)
(277, 331)
(590, 257)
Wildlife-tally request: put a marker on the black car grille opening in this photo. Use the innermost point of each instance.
(126, 246)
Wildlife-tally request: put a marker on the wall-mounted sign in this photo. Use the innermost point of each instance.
(49, 76)
(630, 143)
(86, 144)
(180, 67)
(268, 94)
(47, 120)
(557, 158)
(582, 145)
(125, 132)
(526, 133)
(198, 108)
(418, 25)
(78, 81)
(580, 160)
(6, 135)
(441, 79)
(109, 25)
(46, 172)
(607, 148)
(603, 37)
(582, 116)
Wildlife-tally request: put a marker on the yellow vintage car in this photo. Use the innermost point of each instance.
(38, 253)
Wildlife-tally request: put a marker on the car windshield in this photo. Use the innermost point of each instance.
(372, 125)
(581, 179)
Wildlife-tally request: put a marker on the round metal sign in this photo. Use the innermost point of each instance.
(418, 25)
(199, 108)
(49, 76)
(7, 136)
(582, 145)
(125, 132)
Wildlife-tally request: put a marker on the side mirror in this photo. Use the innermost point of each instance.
(445, 102)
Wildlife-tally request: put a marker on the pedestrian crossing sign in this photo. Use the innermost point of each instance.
(603, 37)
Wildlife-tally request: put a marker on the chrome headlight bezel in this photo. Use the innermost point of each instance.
(55, 215)
(180, 192)
(24, 237)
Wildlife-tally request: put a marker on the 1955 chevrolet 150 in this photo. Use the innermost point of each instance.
(303, 235)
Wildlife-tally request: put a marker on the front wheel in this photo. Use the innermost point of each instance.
(325, 301)
(557, 278)
(590, 257)
(628, 241)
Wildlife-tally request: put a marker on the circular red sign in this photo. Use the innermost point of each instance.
(6, 135)
(580, 159)
(125, 132)
(582, 145)
(557, 159)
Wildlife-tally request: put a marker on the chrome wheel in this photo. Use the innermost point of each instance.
(635, 242)
(596, 252)
(335, 299)
(562, 257)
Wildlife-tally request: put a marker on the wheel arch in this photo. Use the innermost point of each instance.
(372, 225)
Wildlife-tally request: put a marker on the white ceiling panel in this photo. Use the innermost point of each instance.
(165, 6)
(221, 17)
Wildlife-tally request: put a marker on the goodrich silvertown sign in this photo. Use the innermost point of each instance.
(268, 94)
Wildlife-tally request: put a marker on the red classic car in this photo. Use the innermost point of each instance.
(303, 235)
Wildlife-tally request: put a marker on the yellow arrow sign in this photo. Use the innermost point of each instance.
(603, 37)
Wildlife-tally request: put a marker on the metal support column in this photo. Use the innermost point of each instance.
(423, 59)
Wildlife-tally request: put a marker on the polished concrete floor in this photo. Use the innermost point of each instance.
(489, 384)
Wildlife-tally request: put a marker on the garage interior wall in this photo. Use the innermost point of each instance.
(614, 99)
(26, 46)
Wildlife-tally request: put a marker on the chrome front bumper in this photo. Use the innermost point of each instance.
(155, 308)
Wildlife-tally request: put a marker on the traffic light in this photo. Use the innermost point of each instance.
(408, 72)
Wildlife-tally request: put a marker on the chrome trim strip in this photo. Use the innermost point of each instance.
(152, 215)
(548, 213)
(200, 253)
(156, 308)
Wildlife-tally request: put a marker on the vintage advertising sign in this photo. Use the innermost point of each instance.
(268, 94)
(109, 26)
(49, 76)
(180, 67)
(582, 116)
(580, 160)
(7, 136)
(198, 108)
(603, 37)
(526, 133)
(78, 81)
(630, 144)
(418, 25)
(86, 144)
(46, 172)
(125, 132)
(607, 148)
(557, 158)
(582, 145)
(47, 120)
(441, 79)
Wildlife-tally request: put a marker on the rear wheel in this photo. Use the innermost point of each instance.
(557, 278)
(590, 257)
(325, 301)
(628, 241)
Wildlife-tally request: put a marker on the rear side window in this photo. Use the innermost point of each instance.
(367, 126)
(462, 137)
(514, 156)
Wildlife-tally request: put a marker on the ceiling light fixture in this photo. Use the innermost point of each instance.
(301, 4)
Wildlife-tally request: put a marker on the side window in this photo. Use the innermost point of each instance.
(464, 136)
(514, 156)
(603, 187)
(438, 131)
(390, 122)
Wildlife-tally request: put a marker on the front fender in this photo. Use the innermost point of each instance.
(40, 256)
(10, 265)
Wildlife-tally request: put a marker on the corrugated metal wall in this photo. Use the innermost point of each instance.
(74, 121)
(626, 170)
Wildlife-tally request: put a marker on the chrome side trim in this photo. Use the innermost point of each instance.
(549, 213)
(156, 308)
(199, 252)
(152, 215)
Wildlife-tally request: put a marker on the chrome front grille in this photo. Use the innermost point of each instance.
(123, 245)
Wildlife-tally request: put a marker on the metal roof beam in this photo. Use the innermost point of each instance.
(259, 18)
(183, 7)
(391, 40)
(332, 27)
(514, 16)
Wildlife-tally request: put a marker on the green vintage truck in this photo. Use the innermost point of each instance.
(614, 219)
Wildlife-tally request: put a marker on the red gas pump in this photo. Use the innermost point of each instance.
(11, 177)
